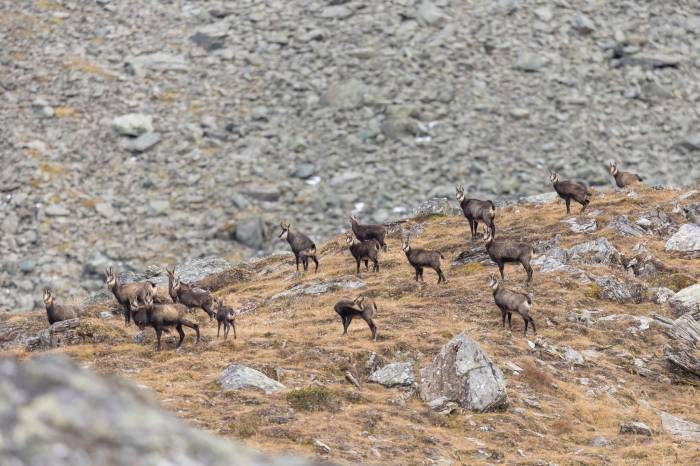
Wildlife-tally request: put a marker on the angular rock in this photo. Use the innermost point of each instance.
(56, 210)
(599, 442)
(574, 357)
(598, 251)
(345, 95)
(616, 291)
(686, 239)
(429, 14)
(250, 231)
(159, 61)
(583, 24)
(686, 300)
(463, 374)
(318, 287)
(539, 199)
(622, 225)
(434, 206)
(125, 425)
(392, 375)
(237, 377)
(133, 124)
(198, 269)
(632, 427)
(586, 226)
(531, 63)
(662, 294)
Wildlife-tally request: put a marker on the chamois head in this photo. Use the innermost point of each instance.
(359, 300)
(493, 281)
(553, 176)
(285, 230)
(48, 297)
(349, 238)
(171, 273)
(405, 244)
(487, 234)
(460, 193)
(110, 278)
(613, 168)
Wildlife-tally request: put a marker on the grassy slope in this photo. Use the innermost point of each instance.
(551, 416)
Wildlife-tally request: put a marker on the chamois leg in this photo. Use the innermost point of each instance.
(218, 329)
(417, 274)
(441, 276)
(357, 272)
(305, 262)
(178, 327)
(528, 269)
(297, 259)
(584, 204)
(346, 323)
(375, 265)
(159, 331)
(226, 328)
(503, 319)
(127, 315)
(233, 324)
(525, 331)
(315, 259)
(471, 228)
(510, 323)
(475, 234)
(421, 274)
(500, 269)
(568, 204)
(372, 327)
(191, 325)
(532, 322)
(366, 265)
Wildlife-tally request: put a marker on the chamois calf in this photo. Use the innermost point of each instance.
(421, 258)
(475, 210)
(162, 316)
(624, 179)
(225, 316)
(366, 250)
(302, 247)
(508, 251)
(123, 292)
(368, 232)
(194, 297)
(57, 312)
(509, 301)
(568, 190)
(359, 307)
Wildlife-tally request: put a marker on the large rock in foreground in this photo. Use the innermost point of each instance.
(686, 300)
(52, 412)
(393, 375)
(462, 373)
(686, 239)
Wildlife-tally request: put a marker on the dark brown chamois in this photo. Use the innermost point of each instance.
(171, 284)
(359, 307)
(366, 250)
(369, 232)
(302, 247)
(568, 190)
(509, 251)
(475, 210)
(227, 317)
(58, 312)
(421, 258)
(194, 297)
(509, 301)
(162, 316)
(624, 179)
(123, 292)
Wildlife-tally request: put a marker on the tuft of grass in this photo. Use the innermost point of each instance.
(592, 291)
(536, 377)
(311, 398)
(471, 268)
(676, 281)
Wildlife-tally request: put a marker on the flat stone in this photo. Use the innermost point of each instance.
(238, 377)
(392, 375)
(56, 210)
(680, 428)
(686, 300)
(133, 124)
(336, 12)
(599, 442)
(142, 143)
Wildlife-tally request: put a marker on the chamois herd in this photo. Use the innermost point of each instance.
(151, 306)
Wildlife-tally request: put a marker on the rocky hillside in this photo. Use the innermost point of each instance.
(611, 377)
(147, 131)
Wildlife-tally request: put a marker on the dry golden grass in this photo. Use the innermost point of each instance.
(552, 415)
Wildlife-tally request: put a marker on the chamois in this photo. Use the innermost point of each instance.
(368, 232)
(568, 190)
(420, 258)
(509, 301)
(624, 179)
(225, 316)
(475, 210)
(159, 295)
(194, 297)
(162, 316)
(366, 250)
(359, 307)
(508, 251)
(123, 292)
(57, 312)
(171, 283)
(301, 245)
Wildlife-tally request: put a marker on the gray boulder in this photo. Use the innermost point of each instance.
(393, 375)
(680, 428)
(319, 287)
(622, 225)
(632, 427)
(434, 206)
(686, 239)
(598, 251)
(125, 425)
(613, 290)
(345, 95)
(237, 377)
(198, 269)
(462, 373)
(686, 300)
(581, 226)
(142, 143)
